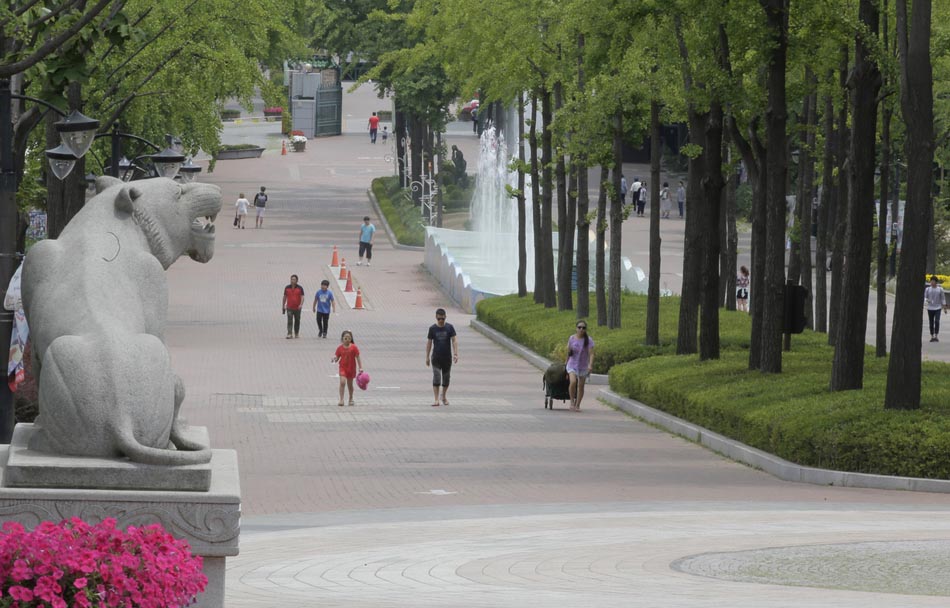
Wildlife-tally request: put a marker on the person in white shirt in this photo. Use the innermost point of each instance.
(242, 205)
(933, 298)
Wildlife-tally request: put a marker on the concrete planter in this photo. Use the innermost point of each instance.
(298, 146)
(235, 154)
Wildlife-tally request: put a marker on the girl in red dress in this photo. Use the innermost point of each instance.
(348, 355)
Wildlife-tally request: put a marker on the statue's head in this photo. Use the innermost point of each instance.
(175, 218)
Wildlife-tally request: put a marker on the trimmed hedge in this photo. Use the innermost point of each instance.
(545, 330)
(402, 216)
(792, 415)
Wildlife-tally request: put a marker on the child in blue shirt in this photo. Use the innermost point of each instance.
(323, 303)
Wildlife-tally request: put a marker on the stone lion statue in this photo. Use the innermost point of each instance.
(96, 299)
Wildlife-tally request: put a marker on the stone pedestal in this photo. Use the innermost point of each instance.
(208, 520)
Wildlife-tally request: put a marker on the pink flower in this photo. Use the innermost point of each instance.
(80, 583)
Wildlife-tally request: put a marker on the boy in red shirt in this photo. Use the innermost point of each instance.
(291, 305)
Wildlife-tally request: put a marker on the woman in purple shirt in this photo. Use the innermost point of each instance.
(580, 360)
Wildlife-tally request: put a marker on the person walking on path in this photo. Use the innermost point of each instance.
(933, 296)
(623, 190)
(580, 361)
(373, 127)
(665, 200)
(367, 236)
(642, 200)
(260, 202)
(742, 289)
(323, 302)
(442, 350)
(242, 205)
(291, 305)
(348, 356)
(681, 197)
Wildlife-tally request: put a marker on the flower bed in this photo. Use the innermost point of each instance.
(75, 564)
(232, 152)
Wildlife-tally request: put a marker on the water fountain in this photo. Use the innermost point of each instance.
(473, 265)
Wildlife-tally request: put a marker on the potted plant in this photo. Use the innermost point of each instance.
(230, 114)
(273, 112)
(298, 141)
(76, 564)
(234, 151)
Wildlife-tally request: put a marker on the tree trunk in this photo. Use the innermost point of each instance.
(399, 128)
(536, 205)
(772, 286)
(583, 208)
(903, 370)
(600, 271)
(567, 251)
(547, 253)
(616, 226)
(838, 218)
(880, 334)
(847, 371)
(691, 292)
(653, 291)
(416, 131)
(825, 203)
(811, 120)
(565, 263)
(712, 189)
(522, 212)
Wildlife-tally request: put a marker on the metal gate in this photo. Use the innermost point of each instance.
(329, 111)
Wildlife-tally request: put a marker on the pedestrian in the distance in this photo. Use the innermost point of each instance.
(580, 361)
(442, 350)
(681, 197)
(933, 296)
(665, 200)
(373, 127)
(642, 200)
(260, 202)
(623, 190)
(742, 289)
(348, 356)
(323, 303)
(291, 305)
(242, 204)
(367, 237)
(385, 133)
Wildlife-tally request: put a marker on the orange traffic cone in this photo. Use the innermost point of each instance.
(359, 300)
(336, 258)
(283, 148)
(343, 270)
(349, 281)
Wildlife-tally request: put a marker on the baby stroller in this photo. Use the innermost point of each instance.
(556, 383)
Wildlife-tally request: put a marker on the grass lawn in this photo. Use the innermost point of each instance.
(792, 415)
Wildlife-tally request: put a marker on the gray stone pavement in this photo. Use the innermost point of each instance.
(492, 501)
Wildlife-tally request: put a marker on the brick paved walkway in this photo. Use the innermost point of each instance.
(490, 501)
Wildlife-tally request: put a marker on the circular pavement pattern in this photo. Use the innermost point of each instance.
(594, 557)
(905, 567)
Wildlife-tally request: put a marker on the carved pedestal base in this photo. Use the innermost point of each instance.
(209, 521)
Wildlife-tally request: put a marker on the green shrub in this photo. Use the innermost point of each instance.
(403, 217)
(230, 114)
(238, 147)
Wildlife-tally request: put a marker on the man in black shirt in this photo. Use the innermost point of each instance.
(443, 347)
